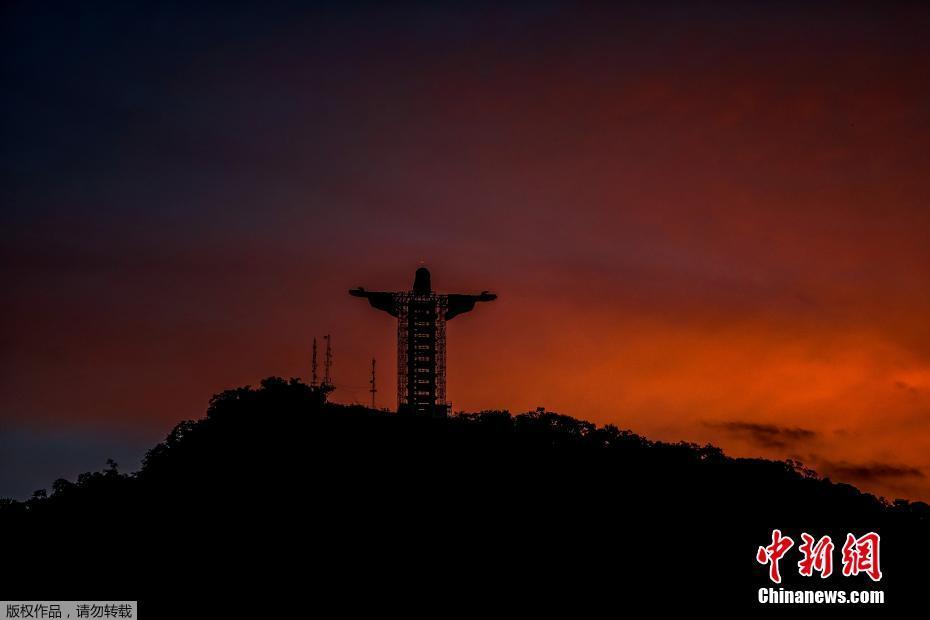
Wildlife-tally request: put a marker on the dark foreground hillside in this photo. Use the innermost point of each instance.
(277, 503)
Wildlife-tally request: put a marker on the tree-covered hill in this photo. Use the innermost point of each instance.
(279, 496)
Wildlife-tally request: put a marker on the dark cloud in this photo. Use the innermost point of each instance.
(766, 435)
(907, 387)
(869, 472)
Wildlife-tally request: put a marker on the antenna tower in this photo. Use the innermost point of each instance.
(328, 364)
(374, 387)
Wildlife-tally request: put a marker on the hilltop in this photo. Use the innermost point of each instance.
(276, 492)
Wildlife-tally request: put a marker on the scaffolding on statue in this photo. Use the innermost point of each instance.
(421, 352)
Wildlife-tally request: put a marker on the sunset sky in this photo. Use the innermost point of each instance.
(704, 223)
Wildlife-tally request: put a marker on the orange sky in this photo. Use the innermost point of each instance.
(702, 225)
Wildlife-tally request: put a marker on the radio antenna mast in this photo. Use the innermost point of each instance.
(328, 364)
(374, 387)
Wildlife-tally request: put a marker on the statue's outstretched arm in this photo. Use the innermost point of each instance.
(380, 300)
(460, 304)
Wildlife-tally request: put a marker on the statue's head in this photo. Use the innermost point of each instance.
(421, 281)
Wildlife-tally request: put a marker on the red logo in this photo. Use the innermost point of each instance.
(860, 555)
